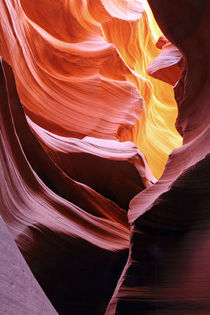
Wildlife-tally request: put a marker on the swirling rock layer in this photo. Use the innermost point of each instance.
(100, 46)
(166, 272)
(74, 97)
(54, 218)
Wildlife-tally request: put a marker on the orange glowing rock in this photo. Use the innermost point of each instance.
(86, 71)
(166, 272)
(154, 133)
(70, 92)
(39, 199)
(98, 113)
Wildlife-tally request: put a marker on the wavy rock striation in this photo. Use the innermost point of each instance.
(116, 170)
(74, 97)
(100, 46)
(166, 272)
(53, 218)
(63, 66)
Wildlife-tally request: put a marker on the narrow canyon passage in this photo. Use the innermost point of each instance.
(105, 155)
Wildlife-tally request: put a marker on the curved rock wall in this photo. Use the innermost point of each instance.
(166, 272)
(100, 46)
(88, 115)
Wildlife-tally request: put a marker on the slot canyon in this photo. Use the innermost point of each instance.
(104, 157)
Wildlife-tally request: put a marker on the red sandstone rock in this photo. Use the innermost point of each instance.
(46, 202)
(116, 170)
(87, 72)
(37, 205)
(69, 234)
(63, 65)
(166, 272)
(167, 66)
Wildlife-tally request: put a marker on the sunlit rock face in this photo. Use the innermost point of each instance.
(166, 272)
(100, 46)
(91, 92)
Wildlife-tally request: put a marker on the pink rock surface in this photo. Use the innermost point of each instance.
(166, 272)
(40, 200)
(53, 218)
(66, 181)
(20, 292)
(167, 66)
(116, 170)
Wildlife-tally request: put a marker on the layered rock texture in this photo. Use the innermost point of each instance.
(105, 156)
(167, 269)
